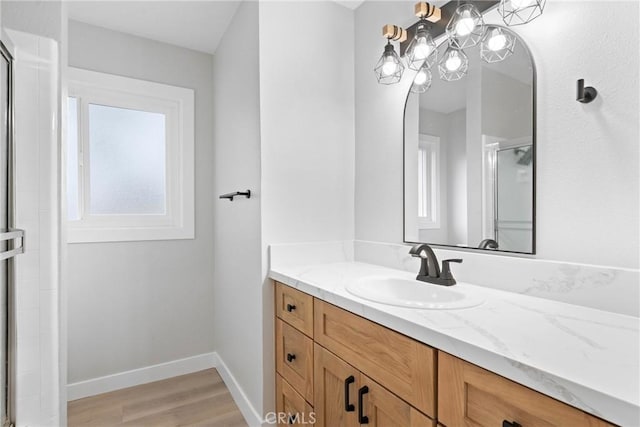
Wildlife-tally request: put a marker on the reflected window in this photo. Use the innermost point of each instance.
(428, 182)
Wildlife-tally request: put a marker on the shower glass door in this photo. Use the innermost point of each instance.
(8, 236)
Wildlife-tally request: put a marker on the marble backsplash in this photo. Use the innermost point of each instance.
(605, 288)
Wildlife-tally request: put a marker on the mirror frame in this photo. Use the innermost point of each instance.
(442, 40)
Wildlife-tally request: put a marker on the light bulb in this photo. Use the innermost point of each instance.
(453, 63)
(422, 49)
(465, 24)
(521, 4)
(420, 78)
(497, 41)
(390, 66)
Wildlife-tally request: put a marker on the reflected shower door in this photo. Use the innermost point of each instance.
(514, 194)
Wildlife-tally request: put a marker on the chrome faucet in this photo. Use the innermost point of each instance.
(488, 244)
(429, 267)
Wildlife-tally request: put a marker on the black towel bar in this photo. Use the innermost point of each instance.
(230, 196)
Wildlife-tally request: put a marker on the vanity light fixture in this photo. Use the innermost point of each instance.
(454, 64)
(389, 68)
(422, 48)
(497, 44)
(422, 80)
(466, 26)
(518, 12)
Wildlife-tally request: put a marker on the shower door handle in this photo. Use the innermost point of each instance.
(11, 236)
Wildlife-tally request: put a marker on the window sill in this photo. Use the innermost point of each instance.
(127, 234)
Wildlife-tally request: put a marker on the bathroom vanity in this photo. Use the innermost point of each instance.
(342, 360)
(349, 371)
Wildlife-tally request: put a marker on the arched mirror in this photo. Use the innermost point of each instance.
(470, 153)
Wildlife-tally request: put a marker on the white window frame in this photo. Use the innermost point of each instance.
(428, 182)
(177, 104)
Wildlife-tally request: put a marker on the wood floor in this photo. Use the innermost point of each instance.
(198, 399)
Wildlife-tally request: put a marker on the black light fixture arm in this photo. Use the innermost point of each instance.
(230, 196)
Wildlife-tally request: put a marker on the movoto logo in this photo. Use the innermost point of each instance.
(305, 418)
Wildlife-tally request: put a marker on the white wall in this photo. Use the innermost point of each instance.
(307, 121)
(136, 304)
(237, 306)
(587, 161)
(284, 129)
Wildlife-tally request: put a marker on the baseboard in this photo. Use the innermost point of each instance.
(251, 416)
(141, 376)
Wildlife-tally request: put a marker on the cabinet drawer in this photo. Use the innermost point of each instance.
(295, 308)
(471, 396)
(289, 402)
(294, 358)
(400, 364)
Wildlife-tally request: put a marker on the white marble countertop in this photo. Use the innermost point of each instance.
(585, 357)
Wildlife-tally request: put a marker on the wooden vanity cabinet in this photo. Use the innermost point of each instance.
(474, 397)
(348, 371)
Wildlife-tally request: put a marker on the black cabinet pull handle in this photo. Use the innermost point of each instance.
(506, 423)
(362, 419)
(290, 307)
(348, 406)
(291, 357)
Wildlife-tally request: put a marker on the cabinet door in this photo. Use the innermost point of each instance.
(474, 397)
(382, 408)
(334, 377)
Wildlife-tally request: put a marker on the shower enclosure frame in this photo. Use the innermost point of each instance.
(10, 344)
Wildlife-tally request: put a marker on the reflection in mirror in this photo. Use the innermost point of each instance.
(469, 157)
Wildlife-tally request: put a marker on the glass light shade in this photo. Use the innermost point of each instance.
(422, 80)
(518, 12)
(454, 64)
(466, 26)
(497, 44)
(389, 69)
(422, 49)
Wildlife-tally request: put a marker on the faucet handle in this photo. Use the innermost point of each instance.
(446, 271)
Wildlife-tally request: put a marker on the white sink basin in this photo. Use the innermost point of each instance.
(411, 293)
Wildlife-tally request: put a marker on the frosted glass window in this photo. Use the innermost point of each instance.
(73, 194)
(127, 155)
(130, 159)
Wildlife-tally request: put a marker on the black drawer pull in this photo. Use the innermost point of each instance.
(506, 423)
(362, 419)
(291, 357)
(348, 406)
(290, 307)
